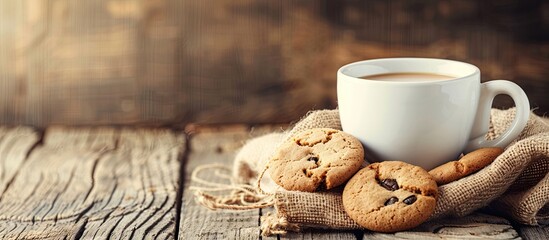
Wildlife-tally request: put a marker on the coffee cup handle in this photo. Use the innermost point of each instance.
(488, 91)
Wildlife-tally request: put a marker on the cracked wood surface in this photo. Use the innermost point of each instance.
(198, 222)
(92, 184)
(123, 183)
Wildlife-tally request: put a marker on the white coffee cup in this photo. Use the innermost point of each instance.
(425, 123)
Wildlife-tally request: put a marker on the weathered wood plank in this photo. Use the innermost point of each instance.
(197, 222)
(15, 144)
(474, 226)
(140, 183)
(528, 232)
(319, 235)
(95, 183)
(45, 230)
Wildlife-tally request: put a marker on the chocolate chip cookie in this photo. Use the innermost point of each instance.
(390, 196)
(468, 164)
(315, 159)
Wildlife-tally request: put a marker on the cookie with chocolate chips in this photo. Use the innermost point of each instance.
(390, 196)
(319, 158)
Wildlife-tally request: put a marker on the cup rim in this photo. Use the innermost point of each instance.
(476, 71)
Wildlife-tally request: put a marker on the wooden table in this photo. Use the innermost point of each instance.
(131, 183)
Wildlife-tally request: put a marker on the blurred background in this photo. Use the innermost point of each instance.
(88, 62)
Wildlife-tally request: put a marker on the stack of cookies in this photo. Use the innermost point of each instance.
(387, 196)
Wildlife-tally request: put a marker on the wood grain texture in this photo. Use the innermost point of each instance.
(95, 183)
(15, 144)
(528, 232)
(198, 222)
(320, 235)
(474, 226)
(81, 62)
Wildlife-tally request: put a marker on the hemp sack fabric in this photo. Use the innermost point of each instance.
(515, 184)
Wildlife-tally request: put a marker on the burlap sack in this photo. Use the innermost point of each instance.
(515, 184)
